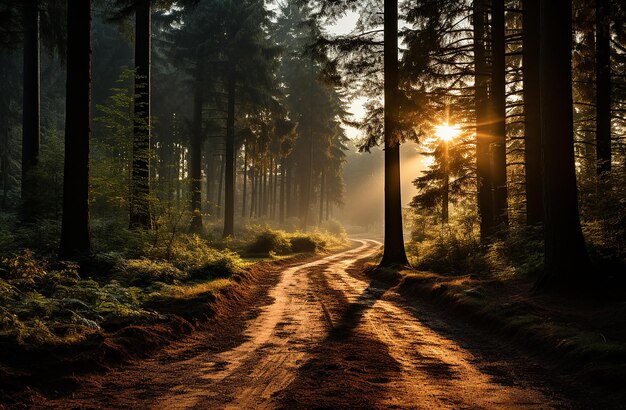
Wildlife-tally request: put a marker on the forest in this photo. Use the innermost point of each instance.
(312, 203)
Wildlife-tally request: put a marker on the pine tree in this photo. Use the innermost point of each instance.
(75, 233)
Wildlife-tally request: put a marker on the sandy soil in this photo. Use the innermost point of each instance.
(320, 335)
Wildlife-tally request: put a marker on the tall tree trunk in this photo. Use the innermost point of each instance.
(288, 193)
(566, 259)
(603, 86)
(498, 114)
(283, 183)
(75, 235)
(394, 253)
(220, 187)
(31, 111)
(245, 181)
(275, 190)
(210, 183)
(532, 112)
(140, 201)
(483, 134)
(322, 189)
(253, 193)
(229, 202)
(4, 158)
(195, 165)
(445, 200)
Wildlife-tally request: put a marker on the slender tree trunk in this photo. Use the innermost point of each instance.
(566, 259)
(220, 187)
(288, 193)
(603, 86)
(283, 183)
(210, 176)
(394, 253)
(245, 181)
(140, 201)
(445, 200)
(532, 112)
(229, 206)
(195, 165)
(31, 111)
(253, 194)
(322, 189)
(75, 235)
(270, 188)
(275, 190)
(498, 114)
(4, 158)
(483, 134)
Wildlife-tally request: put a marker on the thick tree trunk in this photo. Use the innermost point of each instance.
(483, 135)
(394, 253)
(498, 114)
(140, 201)
(566, 259)
(229, 201)
(532, 112)
(31, 111)
(75, 235)
(603, 86)
(195, 165)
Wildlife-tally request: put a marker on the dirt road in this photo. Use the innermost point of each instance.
(325, 337)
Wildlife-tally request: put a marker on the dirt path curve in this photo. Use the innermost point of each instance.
(327, 338)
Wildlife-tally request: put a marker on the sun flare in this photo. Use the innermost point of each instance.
(447, 132)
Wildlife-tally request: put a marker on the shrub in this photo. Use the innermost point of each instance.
(145, 271)
(303, 244)
(269, 241)
(334, 227)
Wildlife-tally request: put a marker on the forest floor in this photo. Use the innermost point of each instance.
(322, 334)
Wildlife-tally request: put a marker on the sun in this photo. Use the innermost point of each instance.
(447, 132)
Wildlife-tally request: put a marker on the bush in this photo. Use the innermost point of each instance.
(303, 244)
(144, 272)
(270, 241)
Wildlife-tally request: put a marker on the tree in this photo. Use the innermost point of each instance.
(603, 86)
(566, 259)
(532, 112)
(483, 137)
(75, 234)
(31, 106)
(394, 253)
(140, 181)
(497, 100)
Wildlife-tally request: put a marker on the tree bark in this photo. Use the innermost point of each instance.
(31, 110)
(566, 259)
(603, 86)
(483, 136)
(498, 114)
(283, 183)
(322, 189)
(245, 181)
(220, 188)
(140, 201)
(195, 165)
(229, 201)
(75, 235)
(394, 253)
(532, 112)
